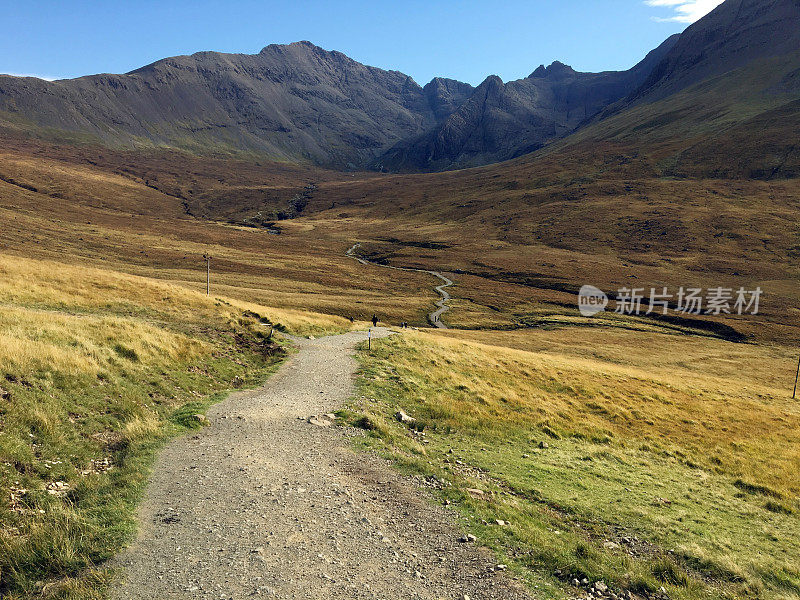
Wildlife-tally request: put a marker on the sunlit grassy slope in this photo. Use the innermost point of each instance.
(640, 458)
(96, 368)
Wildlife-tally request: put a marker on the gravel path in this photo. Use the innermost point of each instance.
(442, 304)
(265, 503)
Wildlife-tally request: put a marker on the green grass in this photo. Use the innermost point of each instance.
(70, 429)
(638, 514)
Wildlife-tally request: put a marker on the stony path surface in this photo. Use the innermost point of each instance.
(264, 503)
(442, 305)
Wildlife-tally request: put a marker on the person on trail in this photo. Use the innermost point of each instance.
(374, 321)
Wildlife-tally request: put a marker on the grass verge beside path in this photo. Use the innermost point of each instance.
(97, 370)
(596, 469)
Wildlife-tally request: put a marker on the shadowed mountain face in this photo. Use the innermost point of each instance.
(501, 121)
(302, 104)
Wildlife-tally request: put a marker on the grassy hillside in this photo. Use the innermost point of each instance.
(645, 460)
(98, 369)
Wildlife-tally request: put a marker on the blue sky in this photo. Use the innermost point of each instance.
(465, 39)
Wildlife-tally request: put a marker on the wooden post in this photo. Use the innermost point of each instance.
(208, 273)
(369, 339)
(794, 393)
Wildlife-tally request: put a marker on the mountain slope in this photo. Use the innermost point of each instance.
(733, 35)
(301, 103)
(723, 103)
(296, 102)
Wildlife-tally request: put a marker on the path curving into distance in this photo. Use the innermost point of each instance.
(442, 305)
(268, 502)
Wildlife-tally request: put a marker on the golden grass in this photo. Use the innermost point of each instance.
(712, 400)
(52, 286)
(97, 365)
(517, 235)
(40, 341)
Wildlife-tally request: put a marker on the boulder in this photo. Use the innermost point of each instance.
(404, 418)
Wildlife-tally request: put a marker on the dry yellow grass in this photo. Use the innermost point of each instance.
(49, 286)
(97, 365)
(40, 341)
(86, 215)
(517, 235)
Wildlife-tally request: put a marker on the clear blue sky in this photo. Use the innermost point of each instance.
(466, 39)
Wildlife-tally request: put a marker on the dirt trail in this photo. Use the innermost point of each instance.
(442, 305)
(265, 503)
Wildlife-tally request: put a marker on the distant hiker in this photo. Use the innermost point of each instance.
(351, 319)
(374, 321)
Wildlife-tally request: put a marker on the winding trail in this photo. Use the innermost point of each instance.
(442, 305)
(265, 503)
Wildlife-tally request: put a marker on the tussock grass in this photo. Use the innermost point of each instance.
(36, 341)
(55, 286)
(97, 369)
(580, 453)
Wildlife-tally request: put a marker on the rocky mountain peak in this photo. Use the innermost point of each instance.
(557, 70)
(302, 44)
(492, 82)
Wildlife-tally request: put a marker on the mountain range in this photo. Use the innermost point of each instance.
(300, 103)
